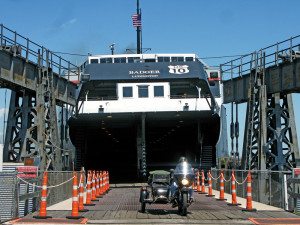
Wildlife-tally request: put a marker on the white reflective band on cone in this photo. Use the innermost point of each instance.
(248, 184)
(222, 180)
(75, 199)
(233, 191)
(89, 190)
(81, 194)
(75, 187)
(43, 199)
(44, 187)
(222, 188)
(249, 194)
(209, 185)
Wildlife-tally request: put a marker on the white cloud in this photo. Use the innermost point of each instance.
(69, 22)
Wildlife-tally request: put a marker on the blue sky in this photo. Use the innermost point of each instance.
(207, 28)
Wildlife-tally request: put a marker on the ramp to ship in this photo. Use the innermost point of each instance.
(121, 206)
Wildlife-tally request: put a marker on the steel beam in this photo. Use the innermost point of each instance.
(16, 74)
(284, 78)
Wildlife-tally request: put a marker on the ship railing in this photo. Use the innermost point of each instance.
(37, 54)
(183, 96)
(272, 55)
(112, 98)
(105, 98)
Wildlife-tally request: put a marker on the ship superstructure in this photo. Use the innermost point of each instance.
(146, 110)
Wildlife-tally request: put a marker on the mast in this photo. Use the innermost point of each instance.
(138, 30)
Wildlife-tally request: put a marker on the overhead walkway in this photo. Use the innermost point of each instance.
(281, 72)
(20, 60)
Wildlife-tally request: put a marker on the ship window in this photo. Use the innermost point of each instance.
(143, 91)
(158, 91)
(94, 61)
(163, 59)
(120, 60)
(213, 75)
(131, 59)
(188, 59)
(177, 59)
(106, 60)
(149, 60)
(127, 92)
(174, 59)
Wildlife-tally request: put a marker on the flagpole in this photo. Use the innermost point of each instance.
(138, 30)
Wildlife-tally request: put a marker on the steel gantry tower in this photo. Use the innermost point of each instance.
(42, 100)
(265, 80)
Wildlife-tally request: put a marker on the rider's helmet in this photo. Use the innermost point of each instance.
(182, 159)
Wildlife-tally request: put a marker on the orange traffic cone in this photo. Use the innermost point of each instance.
(198, 182)
(43, 203)
(81, 194)
(233, 191)
(210, 194)
(75, 213)
(221, 198)
(249, 195)
(102, 183)
(97, 185)
(108, 186)
(94, 187)
(202, 183)
(88, 201)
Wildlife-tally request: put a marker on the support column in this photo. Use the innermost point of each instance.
(141, 147)
(18, 121)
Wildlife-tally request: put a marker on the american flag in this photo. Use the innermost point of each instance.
(136, 20)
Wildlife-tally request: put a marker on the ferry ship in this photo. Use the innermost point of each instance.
(138, 112)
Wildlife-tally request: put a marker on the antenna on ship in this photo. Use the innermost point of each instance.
(137, 22)
(112, 48)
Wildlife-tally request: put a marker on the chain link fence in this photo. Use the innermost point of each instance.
(267, 186)
(18, 197)
(8, 195)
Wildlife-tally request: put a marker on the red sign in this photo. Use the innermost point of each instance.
(296, 171)
(27, 171)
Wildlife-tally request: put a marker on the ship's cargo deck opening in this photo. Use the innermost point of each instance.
(111, 141)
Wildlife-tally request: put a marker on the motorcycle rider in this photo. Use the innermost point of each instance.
(174, 186)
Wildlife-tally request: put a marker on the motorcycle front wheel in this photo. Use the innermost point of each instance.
(184, 204)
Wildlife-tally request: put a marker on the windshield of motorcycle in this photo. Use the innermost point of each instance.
(183, 168)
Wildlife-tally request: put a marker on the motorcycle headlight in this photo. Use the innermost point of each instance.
(184, 181)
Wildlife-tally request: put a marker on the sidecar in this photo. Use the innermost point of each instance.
(158, 189)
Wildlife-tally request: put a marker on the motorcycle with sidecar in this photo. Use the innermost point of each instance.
(169, 187)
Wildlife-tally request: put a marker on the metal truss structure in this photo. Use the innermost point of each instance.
(270, 139)
(42, 101)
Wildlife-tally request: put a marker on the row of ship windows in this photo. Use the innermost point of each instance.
(137, 59)
(143, 91)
